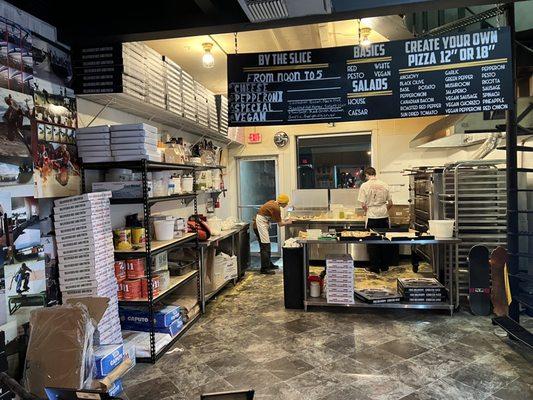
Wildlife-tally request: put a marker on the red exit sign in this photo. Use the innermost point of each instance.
(254, 137)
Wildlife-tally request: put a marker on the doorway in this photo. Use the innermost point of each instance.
(257, 184)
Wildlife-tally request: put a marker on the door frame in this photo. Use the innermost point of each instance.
(273, 157)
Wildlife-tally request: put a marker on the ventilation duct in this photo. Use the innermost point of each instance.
(271, 10)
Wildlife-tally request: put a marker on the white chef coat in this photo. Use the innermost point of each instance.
(375, 194)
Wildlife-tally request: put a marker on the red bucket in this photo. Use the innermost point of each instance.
(135, 268)
(155, 286)
(120, 270)
(131, 289)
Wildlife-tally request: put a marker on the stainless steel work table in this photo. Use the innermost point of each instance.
(453, 295)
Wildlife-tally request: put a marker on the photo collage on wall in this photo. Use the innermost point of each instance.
(56, 165)
(16, 104)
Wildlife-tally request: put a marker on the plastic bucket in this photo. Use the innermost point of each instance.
(186, 184)
(441, 228)
(164, 230)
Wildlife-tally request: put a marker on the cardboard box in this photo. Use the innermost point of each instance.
(173, 329)
(163, 317)
(131, 139)
(82, 198)
(106, 359)
(122, 190)
(116, 388)
(93, 129)
(133, 127)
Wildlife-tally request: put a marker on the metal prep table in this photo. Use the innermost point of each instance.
(452, 273)
(234, 242)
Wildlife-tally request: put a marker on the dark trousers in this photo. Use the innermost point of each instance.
(378, 254)
(264, 250)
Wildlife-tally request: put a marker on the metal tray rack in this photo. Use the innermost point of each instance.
(474, 194)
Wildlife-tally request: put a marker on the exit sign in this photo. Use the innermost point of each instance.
(254, 137)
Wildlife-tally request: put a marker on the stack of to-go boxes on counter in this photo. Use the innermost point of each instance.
(86, 257)
(340, 279)
(124, 142)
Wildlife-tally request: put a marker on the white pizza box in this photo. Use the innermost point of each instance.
(100, 259)
(83, 146)
(133, 152)
(93, 129)
(133, 127)
(109, 326)
(79, 242)
(135, 135)
(82, 197)
(99, 279)
(83, 210)
(85, 274)
(89, 291)
(341, 300)
(133, 91)
(94, 153)
(94, 215)
(67, 240)
(157, 158)
(123, 189)
(130, 146)
(94, 248)
(82, 141)
(97, 159)
(93, 205)
(86, 265)
(157, 103)
(132, 55)
(85, 223)
(147, 140)
(71, 230)
(340, 289)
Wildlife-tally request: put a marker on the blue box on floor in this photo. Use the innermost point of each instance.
(106, 359)
(116, 388)
(173, 329)
(163, 317)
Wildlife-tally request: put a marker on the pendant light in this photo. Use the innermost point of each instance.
(208, 61)
(365, 33)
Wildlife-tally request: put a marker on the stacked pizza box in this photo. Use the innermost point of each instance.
(202, 110)
(86, 257)
(222, 112)
(174, 101)
(116, 68)
(188, 96)
(94, 144)
(424, 290)
(212, 111)
(340, 279)
(131, 142)
(155, 73)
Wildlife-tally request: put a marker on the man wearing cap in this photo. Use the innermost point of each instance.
(269, 212)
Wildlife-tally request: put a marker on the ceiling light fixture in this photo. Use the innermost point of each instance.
(365, 33)
(208, 61)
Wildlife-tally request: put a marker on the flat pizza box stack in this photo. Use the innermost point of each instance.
(377, 295)
(132, 142)
(86, 256)
(340, 279)
(118, 68)
(212, 111)
(188, 96)
(421, 290)
(94, 144)
(155, 73)
(202, 111)
(174, 101)
(222, 111)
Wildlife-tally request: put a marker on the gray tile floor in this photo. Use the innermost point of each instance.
(248, 340)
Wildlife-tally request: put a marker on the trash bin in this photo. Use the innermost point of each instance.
(293, 280)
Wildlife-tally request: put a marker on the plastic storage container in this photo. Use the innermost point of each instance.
(164, 230)
(441, 228)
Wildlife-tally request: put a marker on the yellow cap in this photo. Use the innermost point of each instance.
(283, 198)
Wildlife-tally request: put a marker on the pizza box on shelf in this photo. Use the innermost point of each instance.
(94, 153)
(93, 205)
(124, 189)
(340, 300)
(133, 127)
(82, 198)
(97, 159)
(93, 129)
(377, 296)
(93, 139)
(74, 243)
(72, 230)
(131, 139)
(157, 158)
(94, 215)
(83, 223)
(134, 152)
(129, 146)
(419, 285)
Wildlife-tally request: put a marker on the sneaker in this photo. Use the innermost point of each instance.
(267, 272)
(273, 266)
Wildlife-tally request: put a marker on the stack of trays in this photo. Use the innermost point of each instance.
(222, 112)
(188, 96)
(202, 111)
(111, 69)
(174, 88)
(132, 142)
(212, 111)
(86, 256)
(340, 285)
(155, 72)
(377, 296)
(94, 144)
(421, 290)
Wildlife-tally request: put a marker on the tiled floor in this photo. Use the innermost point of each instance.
(248, 340)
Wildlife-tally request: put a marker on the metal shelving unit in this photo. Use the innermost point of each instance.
(153, 247)
(474, 195)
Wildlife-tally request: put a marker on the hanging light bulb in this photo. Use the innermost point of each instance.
(365, 33)
(208, 61)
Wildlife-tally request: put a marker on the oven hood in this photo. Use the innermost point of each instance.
(458, 130)
(271, 10)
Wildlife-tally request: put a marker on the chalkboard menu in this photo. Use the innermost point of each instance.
(450, 74)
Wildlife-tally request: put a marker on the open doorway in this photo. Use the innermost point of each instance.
(257, 184)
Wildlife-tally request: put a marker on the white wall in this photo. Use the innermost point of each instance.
(87, 111)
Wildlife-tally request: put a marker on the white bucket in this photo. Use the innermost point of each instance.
(441, 228)
(186, 184)
(315, 289)
(164, 230)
